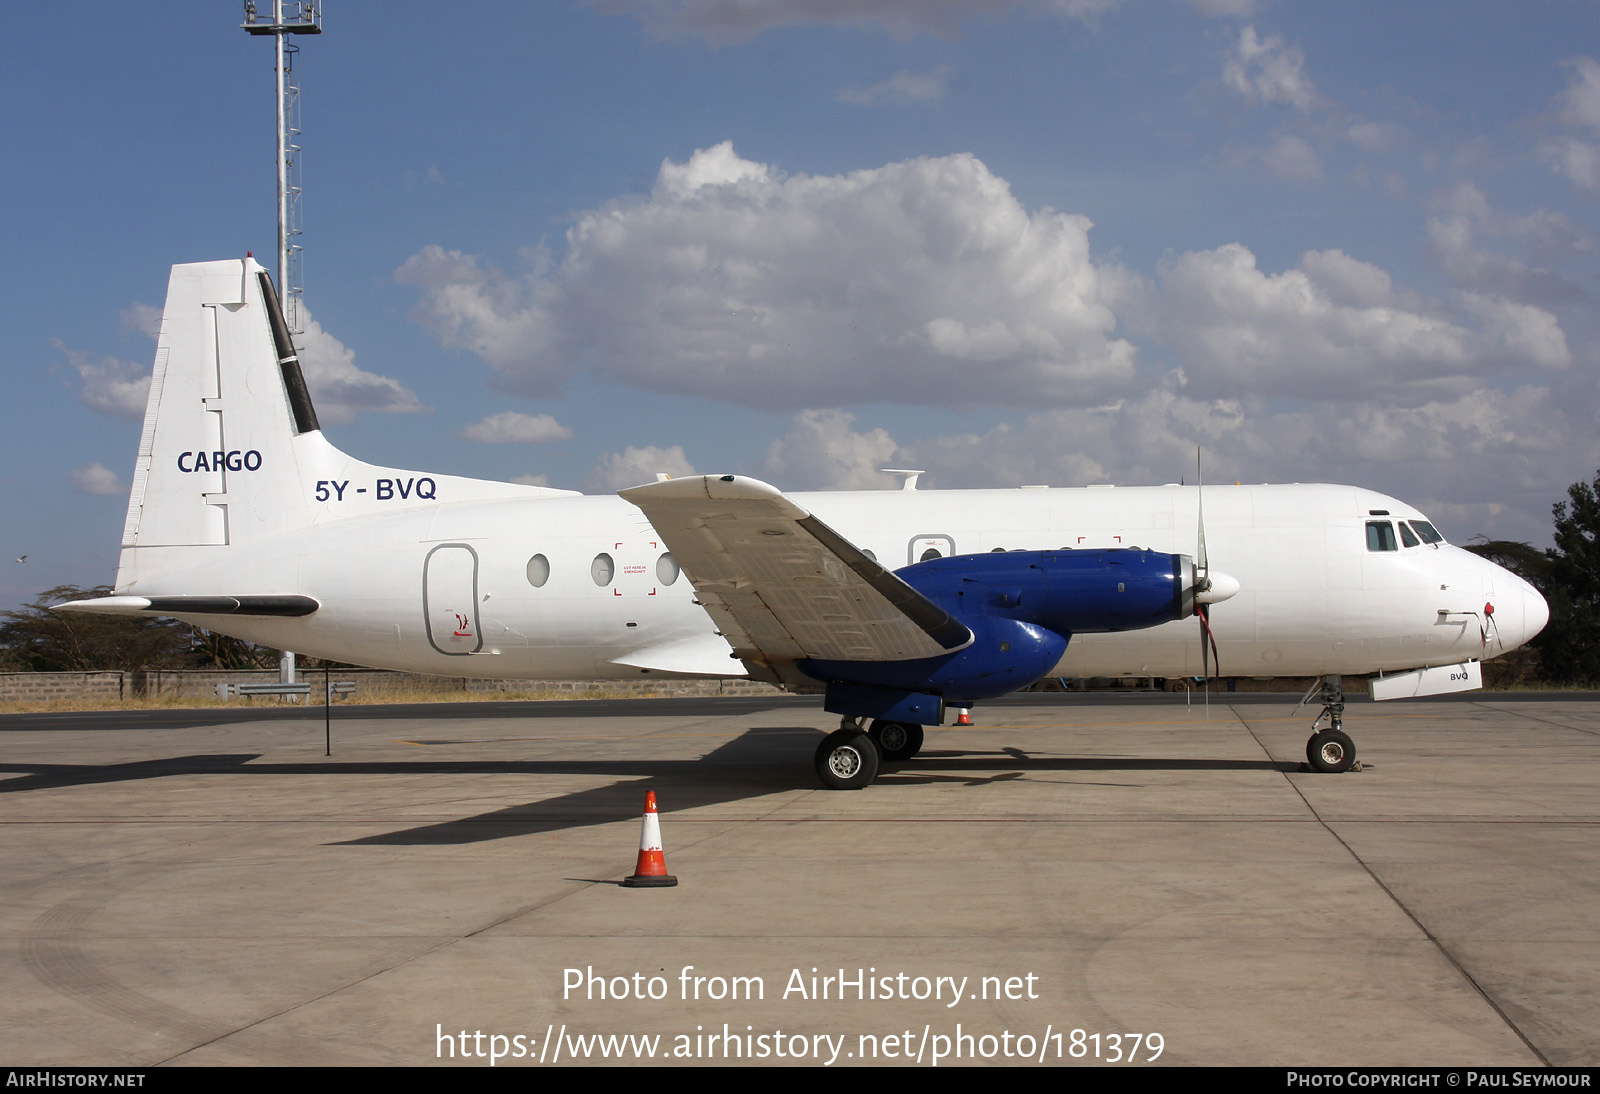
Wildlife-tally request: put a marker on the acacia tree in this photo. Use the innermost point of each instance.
(36, 639)
(41, 640)
(1569, 647)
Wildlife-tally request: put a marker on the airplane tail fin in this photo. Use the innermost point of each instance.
(231, 451)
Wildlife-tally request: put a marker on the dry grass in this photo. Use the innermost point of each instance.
(375, 697)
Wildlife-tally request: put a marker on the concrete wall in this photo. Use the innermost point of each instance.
(202, 684)
(45, 686)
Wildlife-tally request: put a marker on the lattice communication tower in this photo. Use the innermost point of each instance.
(287, 17)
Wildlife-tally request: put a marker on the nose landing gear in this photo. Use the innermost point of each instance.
(1329, 750)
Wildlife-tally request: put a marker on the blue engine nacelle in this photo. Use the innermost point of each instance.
(1022, 608)
(1069, 592)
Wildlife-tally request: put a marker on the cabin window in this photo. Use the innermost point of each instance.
(870, 556)
(1380, 536)
(538, 571)
(1427, 531)
(667, 570)
(1408, 538)
(602, 569)
(929, 554)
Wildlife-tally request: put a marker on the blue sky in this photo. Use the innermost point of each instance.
(1008, 241)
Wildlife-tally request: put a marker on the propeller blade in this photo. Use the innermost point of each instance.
(1202, 577)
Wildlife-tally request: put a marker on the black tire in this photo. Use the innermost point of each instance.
(896, 740)
(847, 760)
(1331, 751)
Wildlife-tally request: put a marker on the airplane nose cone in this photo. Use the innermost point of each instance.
(1222, 587)
(1535, 612)
(1520, 612)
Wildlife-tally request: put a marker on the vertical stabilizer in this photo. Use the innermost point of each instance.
(231, 452)
(193, 463)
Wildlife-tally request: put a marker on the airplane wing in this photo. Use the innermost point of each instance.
(782, 586)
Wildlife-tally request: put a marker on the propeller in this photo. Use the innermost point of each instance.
(1209, 588)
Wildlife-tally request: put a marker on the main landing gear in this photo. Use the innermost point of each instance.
(1330, 749)
(849, 757)
(896, 740)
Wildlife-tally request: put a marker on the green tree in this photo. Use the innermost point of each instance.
(41, 640)
(1523, 559)
(1570, 645)
(37, 639)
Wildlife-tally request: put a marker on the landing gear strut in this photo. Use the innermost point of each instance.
(1330, 749)
(847, 759)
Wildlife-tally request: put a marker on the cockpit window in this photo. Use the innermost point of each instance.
(1428, 533)
(1408, 538)
(1380, 536)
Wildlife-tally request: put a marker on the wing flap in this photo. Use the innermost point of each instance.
(702, 655)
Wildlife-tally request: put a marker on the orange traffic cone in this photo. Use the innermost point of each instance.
(651, 872)
(963, 719)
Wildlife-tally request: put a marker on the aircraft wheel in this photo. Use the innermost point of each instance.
(1331, 751)
(847, 760)
(896, 740)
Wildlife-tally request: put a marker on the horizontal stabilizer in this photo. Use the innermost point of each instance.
(287, 605)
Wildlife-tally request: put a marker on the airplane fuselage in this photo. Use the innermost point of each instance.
(450, 588)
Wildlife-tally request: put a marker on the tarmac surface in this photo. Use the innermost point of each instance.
(205, 887)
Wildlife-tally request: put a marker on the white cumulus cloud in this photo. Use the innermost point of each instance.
(636, 466)
(339, 389)
(1580, 102)
(902, 87)
(1546, 238)
(1268, 70)
(722, 22)
(1333, 327)
(820, 451)
(1447, 456)
(110, 385)
(98, 480)
(1292, 157)
(514, 427)
(923, 281)
(1576, 160)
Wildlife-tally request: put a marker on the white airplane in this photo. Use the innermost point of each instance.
(897, 606)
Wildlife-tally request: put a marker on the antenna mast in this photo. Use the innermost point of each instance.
(301, 17)
(288, 17)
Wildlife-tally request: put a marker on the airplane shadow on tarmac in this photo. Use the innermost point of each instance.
(759, 762)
